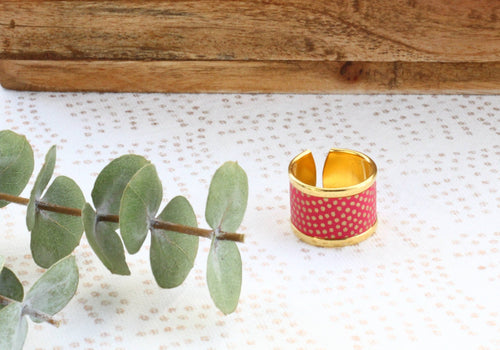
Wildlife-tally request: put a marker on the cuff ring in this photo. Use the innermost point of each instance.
(342, 212)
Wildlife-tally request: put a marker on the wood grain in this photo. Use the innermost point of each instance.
(225, 30)
(418, 46)
(258, 76)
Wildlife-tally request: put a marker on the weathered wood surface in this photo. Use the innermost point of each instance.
(336, 30)
(418, 46)
(258, 76)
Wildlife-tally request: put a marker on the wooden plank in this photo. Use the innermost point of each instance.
(247, 76)
(335, 30)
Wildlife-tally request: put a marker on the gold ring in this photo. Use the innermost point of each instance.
(343, 211)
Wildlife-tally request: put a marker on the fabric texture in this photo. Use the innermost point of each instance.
(428, 278)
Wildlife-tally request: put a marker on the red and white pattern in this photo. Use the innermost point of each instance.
(333, 218)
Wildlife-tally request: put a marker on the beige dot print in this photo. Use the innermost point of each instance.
(427, 278)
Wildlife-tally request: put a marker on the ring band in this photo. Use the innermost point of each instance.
(342, 212)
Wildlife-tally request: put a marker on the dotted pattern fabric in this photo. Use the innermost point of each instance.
(428, 278)
(333, 218)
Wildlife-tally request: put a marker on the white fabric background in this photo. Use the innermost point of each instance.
(429, 277)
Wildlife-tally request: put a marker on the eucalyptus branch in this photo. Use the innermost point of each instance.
(157, 224)
(128, 186)
(194, 231)
(31, 312)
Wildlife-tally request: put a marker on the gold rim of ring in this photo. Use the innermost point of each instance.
(331, 243)
(336, 192)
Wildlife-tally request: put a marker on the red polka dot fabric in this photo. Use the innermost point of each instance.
(333, 218)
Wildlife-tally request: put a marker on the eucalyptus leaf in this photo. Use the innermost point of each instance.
(139, 204)
(16, 163)
(172, 254)
(106, 195)
(105, 242)
(10, 286)
(2, 262)
(227, 198)
(55, 288)
(224, 274)
(112, 180)
(56, 235)
(13, 327)
(42, 180)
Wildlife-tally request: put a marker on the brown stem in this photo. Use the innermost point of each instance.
(31, 312)
(14, 199)
(194, 231)
(158, 224)
(59, 209)
(187, 230)
(109, 218)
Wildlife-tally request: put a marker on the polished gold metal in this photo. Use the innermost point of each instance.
(335, 243)
(345, 173)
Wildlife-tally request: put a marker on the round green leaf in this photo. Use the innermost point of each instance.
(56, 235)
(16, 163)
(10, 286)
(224, 274)
(172, 254)
(105, 242)
(13, 327)
(227, 198)
(111, 182)
(55, 288)
(139, 204)
(42, 180)
(106, 195)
